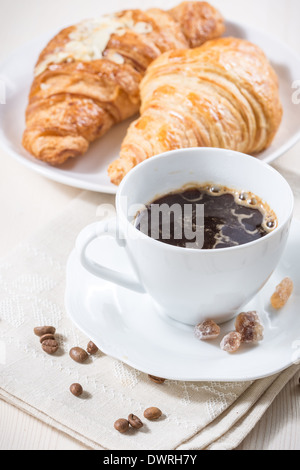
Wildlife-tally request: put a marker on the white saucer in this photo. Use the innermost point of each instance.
(90, 171)
(127, 326)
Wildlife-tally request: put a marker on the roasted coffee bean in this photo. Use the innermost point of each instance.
(78, 355)
(135, 421)
(92, 348)
(152, 413)
(121, 425)
(43, 330)
(76, 389)
(46, 336)
(50, 346)
(157, 380)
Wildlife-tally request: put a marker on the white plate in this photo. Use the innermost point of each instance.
(90, 171)
(126, 325)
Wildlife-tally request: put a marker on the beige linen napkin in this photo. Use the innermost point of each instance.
(198, 415)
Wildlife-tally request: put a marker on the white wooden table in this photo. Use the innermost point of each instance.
(28, 200)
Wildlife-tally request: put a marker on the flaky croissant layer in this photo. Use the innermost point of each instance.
(87, 78)
(223, 94)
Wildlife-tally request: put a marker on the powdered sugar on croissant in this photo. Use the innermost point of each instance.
(87, 78)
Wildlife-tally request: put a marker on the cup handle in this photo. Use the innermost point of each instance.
(98, 230)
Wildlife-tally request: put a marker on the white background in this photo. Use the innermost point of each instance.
(28, 200)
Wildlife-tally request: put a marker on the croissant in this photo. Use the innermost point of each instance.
(87, 78)
(223, 94)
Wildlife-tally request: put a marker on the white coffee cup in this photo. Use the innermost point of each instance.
(186, 284)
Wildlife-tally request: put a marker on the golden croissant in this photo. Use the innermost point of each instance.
(223, 94)
(87, 78)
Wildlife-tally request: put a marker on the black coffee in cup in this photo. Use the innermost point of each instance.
(206, 217)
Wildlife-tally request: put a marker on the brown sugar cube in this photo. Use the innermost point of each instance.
(282, 293)
(207, 330)
(231, 342)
